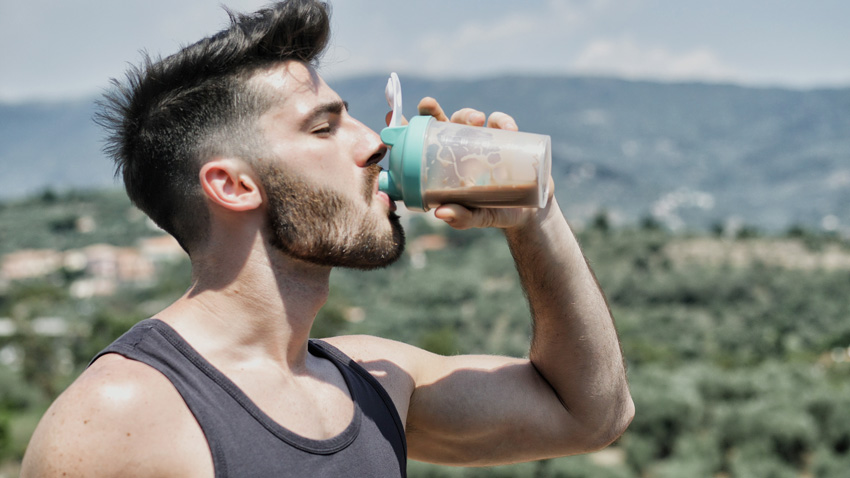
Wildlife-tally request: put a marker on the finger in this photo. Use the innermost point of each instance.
(460, 217)
(502, 121)
(429, 106)
(455, 216)
(469, 116)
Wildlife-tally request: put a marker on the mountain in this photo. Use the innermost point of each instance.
(50, 145)
(687, 154)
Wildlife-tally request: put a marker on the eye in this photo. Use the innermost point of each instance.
(323, 130)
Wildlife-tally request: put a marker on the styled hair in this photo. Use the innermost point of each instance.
(171, 115)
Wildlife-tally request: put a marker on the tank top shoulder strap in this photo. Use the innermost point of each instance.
(344, 362)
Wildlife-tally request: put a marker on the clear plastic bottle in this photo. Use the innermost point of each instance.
(433, 163)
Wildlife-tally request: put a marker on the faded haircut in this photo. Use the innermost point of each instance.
(171, 115)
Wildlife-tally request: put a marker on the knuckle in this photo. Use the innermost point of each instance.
(498, 118)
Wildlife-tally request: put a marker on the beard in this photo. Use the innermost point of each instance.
(323, 227)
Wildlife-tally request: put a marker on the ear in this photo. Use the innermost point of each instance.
(230, 184)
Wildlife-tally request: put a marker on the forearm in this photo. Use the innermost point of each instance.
(575, 346)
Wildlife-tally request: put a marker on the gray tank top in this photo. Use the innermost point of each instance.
(244, 441)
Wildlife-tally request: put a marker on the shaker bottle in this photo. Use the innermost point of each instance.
(435, 162)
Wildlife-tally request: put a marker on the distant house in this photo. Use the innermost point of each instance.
(161, 249)
(108, 266)
(103, 266)
(120, 264)
(30, 263)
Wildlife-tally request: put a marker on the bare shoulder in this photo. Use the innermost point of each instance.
(386, 356)
(371, 348)
(119, 418)
(420, 365)
(392, 363)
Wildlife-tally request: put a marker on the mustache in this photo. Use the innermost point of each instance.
(372, 172)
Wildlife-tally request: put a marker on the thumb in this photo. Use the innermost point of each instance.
(455, 216)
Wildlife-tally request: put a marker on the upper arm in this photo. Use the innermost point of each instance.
(120, 418)
(487, 410)
(471, 409)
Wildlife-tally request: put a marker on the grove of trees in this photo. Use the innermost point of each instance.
(737, 369)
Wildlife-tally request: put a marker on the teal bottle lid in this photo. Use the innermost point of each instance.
(402, 181)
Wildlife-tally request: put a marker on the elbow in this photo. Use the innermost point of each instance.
(596, 429)
(620, 423)
(610, 426)
(593, 431)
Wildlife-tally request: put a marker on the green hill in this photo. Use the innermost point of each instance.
(737, 347)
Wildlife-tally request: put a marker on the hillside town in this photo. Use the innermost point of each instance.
(97, 270)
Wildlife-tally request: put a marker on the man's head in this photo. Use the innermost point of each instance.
(171, 116)
(320, 176)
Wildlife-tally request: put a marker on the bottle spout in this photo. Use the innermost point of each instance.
(388, 186)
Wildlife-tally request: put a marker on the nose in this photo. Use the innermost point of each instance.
(372, 149)
(378, 155)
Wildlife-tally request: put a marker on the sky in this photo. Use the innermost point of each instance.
(63, 49)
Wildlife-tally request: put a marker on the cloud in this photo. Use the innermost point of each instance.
(625, 57)
(473, 44)
(504, 43)
(78, 45)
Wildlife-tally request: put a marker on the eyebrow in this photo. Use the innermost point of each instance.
(331, 107)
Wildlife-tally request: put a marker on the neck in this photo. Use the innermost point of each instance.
(260, 304)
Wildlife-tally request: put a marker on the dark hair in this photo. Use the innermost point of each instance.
(170, 115)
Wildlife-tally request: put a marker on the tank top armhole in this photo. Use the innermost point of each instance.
(339, 356)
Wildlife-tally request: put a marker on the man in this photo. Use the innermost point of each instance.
(238, 148)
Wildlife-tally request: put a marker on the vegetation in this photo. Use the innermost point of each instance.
(739, 368)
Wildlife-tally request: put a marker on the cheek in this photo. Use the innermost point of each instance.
(317, 165)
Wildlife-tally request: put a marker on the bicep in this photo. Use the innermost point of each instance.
(485, 410)
(467, 409)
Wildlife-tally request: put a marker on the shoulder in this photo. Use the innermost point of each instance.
(361, 347)
(383, 356)
(420, 366)
(395, 365)
(111, 421)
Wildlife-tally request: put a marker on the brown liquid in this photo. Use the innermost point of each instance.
(520, 195)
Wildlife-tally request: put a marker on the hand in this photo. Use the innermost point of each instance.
(460, 217)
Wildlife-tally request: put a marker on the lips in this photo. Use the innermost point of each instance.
(385, 198)
(372, 189)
